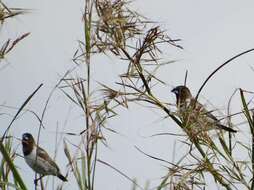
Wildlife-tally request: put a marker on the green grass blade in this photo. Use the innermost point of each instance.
(12, 167)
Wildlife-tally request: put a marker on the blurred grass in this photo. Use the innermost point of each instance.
(7, 13)
(7, 165)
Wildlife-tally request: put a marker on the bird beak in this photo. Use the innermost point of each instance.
(174, 90)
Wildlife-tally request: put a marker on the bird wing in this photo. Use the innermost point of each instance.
(43, 154)
(203, 111)
(208, 116)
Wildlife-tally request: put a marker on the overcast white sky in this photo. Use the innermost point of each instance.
(212, 32)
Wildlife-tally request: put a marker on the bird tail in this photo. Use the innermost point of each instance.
(60, 176)
(226, 128)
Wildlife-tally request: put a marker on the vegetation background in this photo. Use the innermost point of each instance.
(50, 38)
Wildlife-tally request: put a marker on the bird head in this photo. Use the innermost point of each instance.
(27, 139)
(28, 143)
(182, 94)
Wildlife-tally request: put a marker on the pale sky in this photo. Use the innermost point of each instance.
(211, 33)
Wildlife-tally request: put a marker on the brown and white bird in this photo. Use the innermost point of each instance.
(38, 159)
(194, 114)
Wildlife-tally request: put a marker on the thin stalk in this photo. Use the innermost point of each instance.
(217, 176)
(217, 69)
(87, 28)
(20, 109)
(94, 165)
(252, 155)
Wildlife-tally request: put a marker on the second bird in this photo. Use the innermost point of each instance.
(38, 159)
(194, 113)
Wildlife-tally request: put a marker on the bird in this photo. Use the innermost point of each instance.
(194, 114)
(38, 159)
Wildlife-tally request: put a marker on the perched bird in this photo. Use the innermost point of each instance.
(194, 114)
(38, 159)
